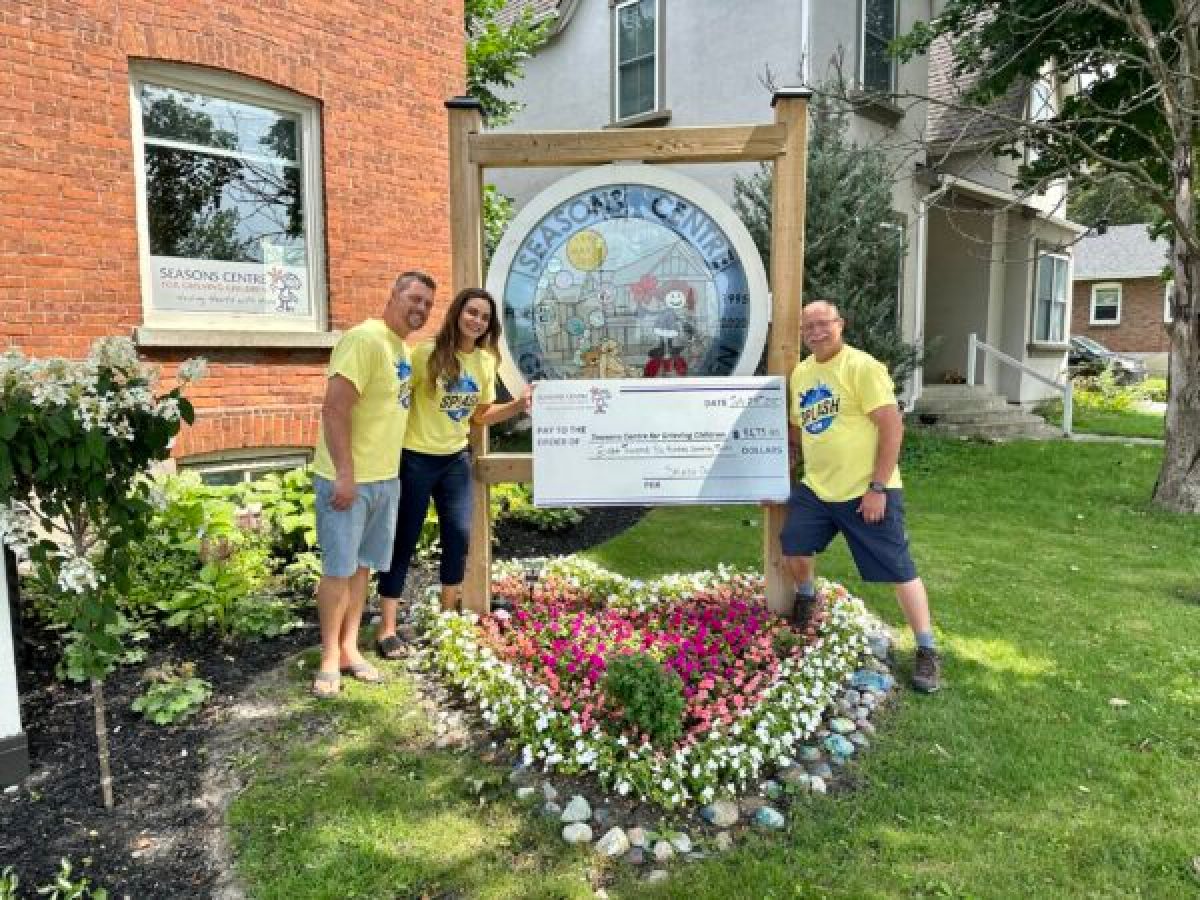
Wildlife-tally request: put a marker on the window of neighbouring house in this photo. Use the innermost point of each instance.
(1106, 304)
(1168, 302)
(1050, 298)
(229, 187)
(877, 70)
(636, 64)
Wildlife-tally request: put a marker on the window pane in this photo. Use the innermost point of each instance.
(635, 31)
(219, 123)
(636, 88)
(879, 28)
(877, 66)
(879, 18)
(1044, 291)
(202, 206)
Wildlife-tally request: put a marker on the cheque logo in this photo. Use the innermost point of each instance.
(600, 400)
(818, 408)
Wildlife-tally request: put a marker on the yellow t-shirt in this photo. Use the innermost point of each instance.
(829, 403)
(376, 361)
(441, 418)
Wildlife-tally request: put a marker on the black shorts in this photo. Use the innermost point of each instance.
(880, 551)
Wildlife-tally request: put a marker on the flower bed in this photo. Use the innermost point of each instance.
(753, 688)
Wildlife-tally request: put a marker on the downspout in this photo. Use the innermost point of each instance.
(917, 379)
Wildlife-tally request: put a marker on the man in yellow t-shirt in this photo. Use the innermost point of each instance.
(847, 426)
(357, 461)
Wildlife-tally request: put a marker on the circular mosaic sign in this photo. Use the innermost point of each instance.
(629, 272)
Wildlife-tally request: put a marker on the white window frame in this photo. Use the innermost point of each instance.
(1047, 340)
(1041, 109)
(1105, 286)
(897, 230)
(657, 108)
(893, 74)
(231, 86)
(247, 463)
(1168, 296)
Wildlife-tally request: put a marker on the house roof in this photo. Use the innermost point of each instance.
(542, 9)
(948, 122)
(1124, 251)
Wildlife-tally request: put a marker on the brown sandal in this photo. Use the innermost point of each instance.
(326, 685)
(364, 672)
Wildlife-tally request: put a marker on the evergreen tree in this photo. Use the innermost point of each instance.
(853, 246)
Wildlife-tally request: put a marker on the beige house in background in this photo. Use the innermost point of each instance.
(979, 258)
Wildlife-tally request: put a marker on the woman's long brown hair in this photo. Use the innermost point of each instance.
(443, 361)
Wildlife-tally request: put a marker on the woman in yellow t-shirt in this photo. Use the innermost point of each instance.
(453, 388)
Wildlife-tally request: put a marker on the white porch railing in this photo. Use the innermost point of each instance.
(974, 345)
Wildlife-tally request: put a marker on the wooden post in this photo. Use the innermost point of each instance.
(787, 284)
(466, 242)
(14, 750)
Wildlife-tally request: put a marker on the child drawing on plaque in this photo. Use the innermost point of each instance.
(678, 306)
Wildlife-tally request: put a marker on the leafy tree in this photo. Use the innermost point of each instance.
(496, 54)
(1135, 113)
(76, 437)
(852, 249)
(1114, 200)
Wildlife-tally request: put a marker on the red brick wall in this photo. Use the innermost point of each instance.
(69, 266)
(1141, 329)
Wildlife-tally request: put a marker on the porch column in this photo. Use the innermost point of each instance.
(994, 331)
(14, 751)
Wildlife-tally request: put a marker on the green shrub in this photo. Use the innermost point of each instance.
(174, 694)
(646, 696)
(516, 505)
(286, 503)
(1102, 392)
(1154, 388)
(64, 888)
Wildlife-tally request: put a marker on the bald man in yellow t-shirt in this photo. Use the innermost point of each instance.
(847, 426)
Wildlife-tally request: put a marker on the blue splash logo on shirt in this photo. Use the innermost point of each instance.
(404, 376)
(461, 398)
(818, 408)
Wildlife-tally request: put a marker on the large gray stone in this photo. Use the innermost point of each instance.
(722, 813)
(614, 843)
(769, 817)
(577, 833)
(663, 851)
(577, 810)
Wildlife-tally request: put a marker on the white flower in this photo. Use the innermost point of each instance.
(193, 369)
(77, 575)
(114, 353)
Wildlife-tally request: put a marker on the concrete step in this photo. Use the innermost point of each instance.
(1012, 415)
(961, 404)
(997, 432)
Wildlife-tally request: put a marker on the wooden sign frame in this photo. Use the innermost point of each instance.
(783, 143)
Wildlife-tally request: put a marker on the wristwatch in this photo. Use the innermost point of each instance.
(877, 487)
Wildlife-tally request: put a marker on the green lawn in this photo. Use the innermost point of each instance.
(1129, 423)
(1055, 588)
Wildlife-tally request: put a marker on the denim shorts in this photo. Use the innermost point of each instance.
(880, 551)
(358, 537)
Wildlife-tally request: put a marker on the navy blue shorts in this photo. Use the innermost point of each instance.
(880, 551)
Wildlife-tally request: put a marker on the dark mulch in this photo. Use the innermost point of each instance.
(156, 842)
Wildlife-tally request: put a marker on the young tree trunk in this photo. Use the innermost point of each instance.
(106, 790)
